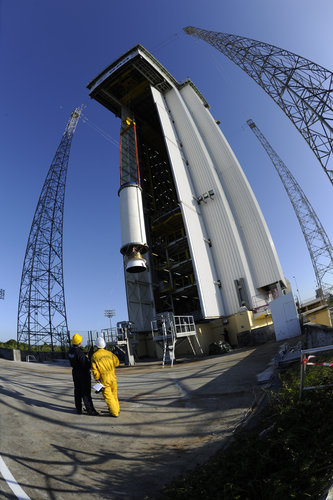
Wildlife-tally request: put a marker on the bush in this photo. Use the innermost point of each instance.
(288, 455)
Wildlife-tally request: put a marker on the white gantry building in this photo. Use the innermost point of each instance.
(194, 239)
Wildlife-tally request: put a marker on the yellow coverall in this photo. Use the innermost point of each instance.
(103, 364)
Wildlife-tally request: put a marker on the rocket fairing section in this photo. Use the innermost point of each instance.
(133, 232)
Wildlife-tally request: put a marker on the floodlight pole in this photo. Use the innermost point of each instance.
(109, 313)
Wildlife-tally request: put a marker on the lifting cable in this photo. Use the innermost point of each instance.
(167, 41)
(100, 131)
(229, 83)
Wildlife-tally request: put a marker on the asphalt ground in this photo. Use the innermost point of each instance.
(171, 419)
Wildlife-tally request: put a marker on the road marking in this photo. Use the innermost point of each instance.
(10, 480)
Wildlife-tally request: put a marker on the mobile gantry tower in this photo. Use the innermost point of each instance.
(207, 249)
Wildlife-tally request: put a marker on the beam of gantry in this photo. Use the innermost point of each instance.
(41, 309)
(302, 88)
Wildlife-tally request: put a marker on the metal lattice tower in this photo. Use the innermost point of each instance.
(41, 309)
(302, 88)
(317, 241)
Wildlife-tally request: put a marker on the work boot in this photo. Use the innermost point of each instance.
(93, 412)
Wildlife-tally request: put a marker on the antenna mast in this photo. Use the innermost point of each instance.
(41, 309)
(317, 241)
(301, 88)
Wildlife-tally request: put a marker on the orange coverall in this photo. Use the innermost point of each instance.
(103, 364)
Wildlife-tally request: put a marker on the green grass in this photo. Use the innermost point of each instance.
(289, 454)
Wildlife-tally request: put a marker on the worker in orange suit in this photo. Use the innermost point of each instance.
(103, 365)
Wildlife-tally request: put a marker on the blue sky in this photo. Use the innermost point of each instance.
(50, 50)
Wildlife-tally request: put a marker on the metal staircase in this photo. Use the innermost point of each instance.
(168, 330)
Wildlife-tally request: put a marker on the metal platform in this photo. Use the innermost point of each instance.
(124, 338)
(168, 329)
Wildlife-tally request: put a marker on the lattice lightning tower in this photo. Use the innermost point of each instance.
(317, 241)
(41, 310)
(301, 88)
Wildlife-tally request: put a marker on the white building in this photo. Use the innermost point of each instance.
(210, 252)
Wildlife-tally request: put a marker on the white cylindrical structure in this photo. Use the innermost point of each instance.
(133, 233)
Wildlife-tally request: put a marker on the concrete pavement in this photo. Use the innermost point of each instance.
(170, 420)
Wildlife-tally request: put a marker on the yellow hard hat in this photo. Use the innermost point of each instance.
(77, 339)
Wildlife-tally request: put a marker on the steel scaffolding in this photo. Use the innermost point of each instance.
(41, 309)
(302, 88)
(317, 241)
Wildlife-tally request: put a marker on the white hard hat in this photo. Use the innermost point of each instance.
(100, 343)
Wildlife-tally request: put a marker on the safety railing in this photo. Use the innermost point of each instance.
(308, 359)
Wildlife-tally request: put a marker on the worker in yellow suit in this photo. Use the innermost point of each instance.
(103, 365)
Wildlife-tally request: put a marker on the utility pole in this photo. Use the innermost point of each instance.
(41, 309)
(302, 88)
(317, 241)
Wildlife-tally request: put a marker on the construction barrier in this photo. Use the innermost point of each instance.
(306, 356)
